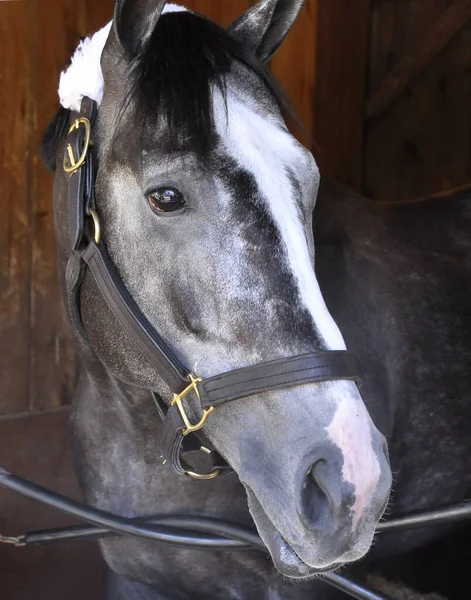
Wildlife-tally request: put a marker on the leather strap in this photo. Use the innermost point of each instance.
(315, 367)
(143, 335)
(81, 188)
(81, 197)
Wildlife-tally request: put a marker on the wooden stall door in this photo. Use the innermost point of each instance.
(37, 360)
(418, 122)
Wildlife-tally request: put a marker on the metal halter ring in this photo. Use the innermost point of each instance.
(71, 164)
(211, 475)
(96, 224)
(177, 399)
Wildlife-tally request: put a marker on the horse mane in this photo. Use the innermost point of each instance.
(171, 80)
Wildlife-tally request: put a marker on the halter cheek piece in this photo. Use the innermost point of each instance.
(88, 251)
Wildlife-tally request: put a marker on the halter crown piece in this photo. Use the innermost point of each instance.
(179, 436)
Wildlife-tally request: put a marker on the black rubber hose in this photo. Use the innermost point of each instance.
(131, 527)
(171, 525)
(182, 531)
(353, 588)
(216, 542)
(168, 535)
(428, 518)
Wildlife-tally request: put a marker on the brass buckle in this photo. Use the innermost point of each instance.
(200, 476)
(96, 225)
(177, 399)
(71, 165)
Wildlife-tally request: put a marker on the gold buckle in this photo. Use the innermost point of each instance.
(72, 165)
(177, 399)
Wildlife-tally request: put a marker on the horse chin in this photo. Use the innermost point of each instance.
(289, 564)
(284, 557)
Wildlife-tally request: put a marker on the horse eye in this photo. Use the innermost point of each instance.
(166, 199)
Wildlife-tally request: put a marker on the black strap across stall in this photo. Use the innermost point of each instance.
(88, 251)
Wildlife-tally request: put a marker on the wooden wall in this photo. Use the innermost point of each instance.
(37, 363)
(339, 98)
(418, 118)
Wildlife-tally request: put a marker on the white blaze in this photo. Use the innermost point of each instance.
(350, 430)
(261, 146)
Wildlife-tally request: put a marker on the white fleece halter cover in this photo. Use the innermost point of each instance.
(84, 77)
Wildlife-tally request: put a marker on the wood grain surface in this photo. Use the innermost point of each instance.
(420, 141)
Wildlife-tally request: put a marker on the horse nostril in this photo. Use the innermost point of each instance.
(317, 498)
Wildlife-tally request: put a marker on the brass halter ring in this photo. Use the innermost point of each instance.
(71, 164)
(202, 476)
(96, 224)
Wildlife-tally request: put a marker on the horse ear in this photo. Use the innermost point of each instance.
(264, 26)
(134, 21)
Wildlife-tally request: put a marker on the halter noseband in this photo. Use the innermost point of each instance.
(89, 252)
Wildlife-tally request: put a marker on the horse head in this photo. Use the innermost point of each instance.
(206, 202)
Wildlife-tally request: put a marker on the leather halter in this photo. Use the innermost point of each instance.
(88, 251)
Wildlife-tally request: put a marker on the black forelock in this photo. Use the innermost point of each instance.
(171, 79)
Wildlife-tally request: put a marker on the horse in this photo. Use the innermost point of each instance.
(205, 203)
(398, 274)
